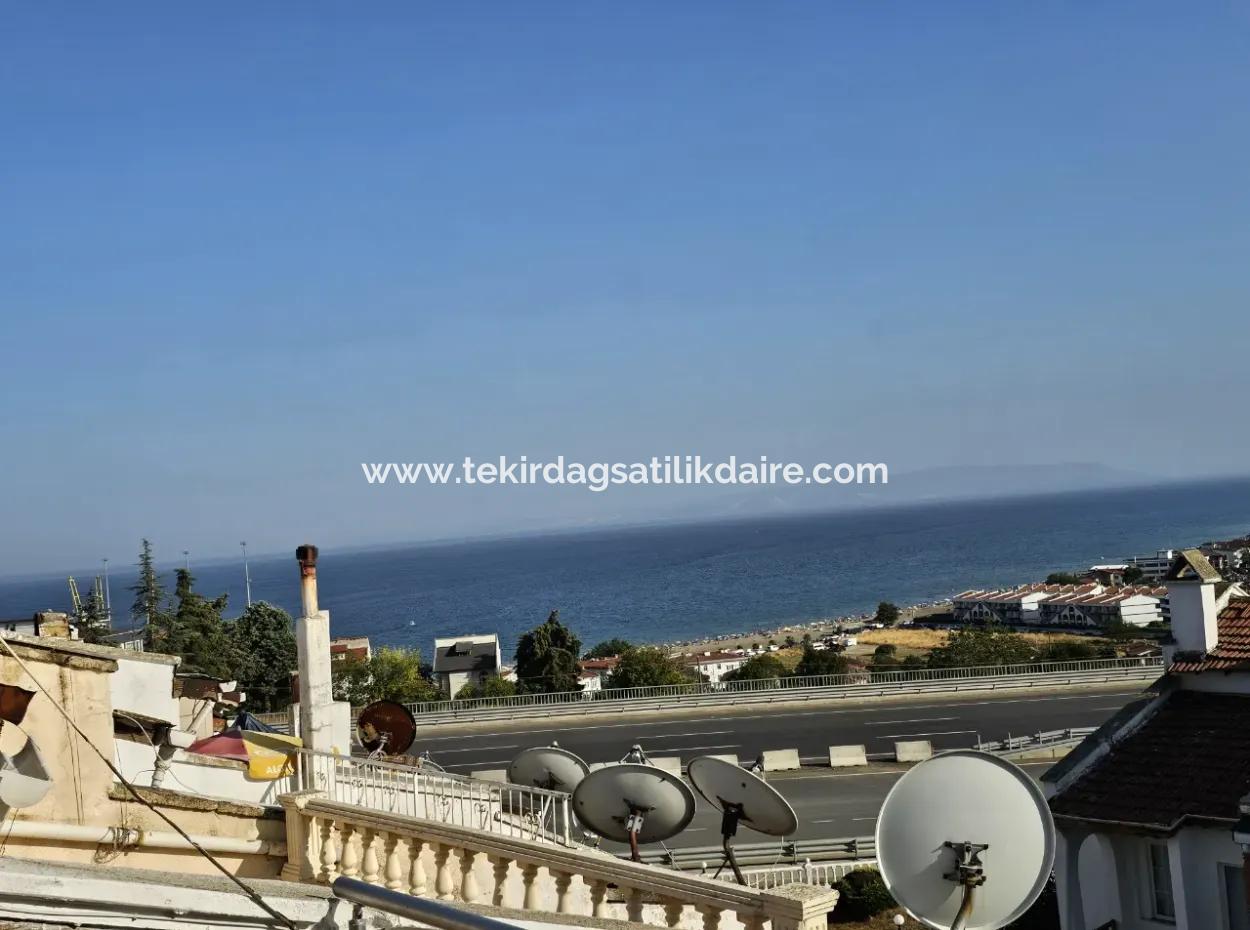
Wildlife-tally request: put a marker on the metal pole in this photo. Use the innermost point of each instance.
(247, 577)
(186, 560)
(108, 603)
(423, 910)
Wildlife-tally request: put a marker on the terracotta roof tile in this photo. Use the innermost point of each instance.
(1190, 761)
(1233, 648)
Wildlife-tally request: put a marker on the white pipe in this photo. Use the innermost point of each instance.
(153, 839)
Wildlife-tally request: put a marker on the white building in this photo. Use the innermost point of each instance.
(1011, 606)
(713, 666)
(1132, 605)
(465, 660)
(1154, 567)
(1148, 807)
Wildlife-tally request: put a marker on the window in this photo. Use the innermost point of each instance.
(1162, 906)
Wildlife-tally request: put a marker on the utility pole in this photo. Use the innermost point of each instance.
(108, 603)
(247, 577)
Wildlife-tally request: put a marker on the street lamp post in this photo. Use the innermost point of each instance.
(247, 577)
(108, 603)
(186, 559)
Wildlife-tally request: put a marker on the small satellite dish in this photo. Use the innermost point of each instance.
(965, 841)
(386, 727)
(24, 778)
(742, 797)
(548, 767)
(633, 803)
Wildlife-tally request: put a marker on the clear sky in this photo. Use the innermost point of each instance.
(246, 247)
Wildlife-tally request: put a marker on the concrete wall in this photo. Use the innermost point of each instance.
(144, 684)
(207, 776)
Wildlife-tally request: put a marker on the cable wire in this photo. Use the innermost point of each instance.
(243, 886)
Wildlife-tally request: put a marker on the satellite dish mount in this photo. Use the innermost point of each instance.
(970, 874)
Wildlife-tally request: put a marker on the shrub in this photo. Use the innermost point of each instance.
(862, 894)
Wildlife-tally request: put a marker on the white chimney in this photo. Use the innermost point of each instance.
(1191, 585)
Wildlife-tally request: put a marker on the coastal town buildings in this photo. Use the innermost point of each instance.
(1090, 605)
(465, 660)
(713, 666)
(592, 672)
(1152, 808)
(1154, 568)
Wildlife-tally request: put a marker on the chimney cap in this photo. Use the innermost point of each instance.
(306, 555)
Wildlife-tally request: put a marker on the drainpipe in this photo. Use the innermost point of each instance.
(124, 838)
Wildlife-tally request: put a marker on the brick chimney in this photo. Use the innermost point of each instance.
(1191, 582)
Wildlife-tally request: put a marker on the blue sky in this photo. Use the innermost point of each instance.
(246, 248)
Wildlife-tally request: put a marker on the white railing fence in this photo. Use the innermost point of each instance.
(408, 791)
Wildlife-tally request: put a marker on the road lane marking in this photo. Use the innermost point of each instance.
(833, 710)
(447, 752)
(886, 723)
(639, 739)
(940, 733)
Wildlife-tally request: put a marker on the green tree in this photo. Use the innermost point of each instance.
(265, 644)
(758, 668)
(887, 613)
(861, 894)
(1062, 578)
(608, 648)
(492, 687)
(823, 662)
(983, 645)
(205, 643)
(646, 666)
(149, 593)
(92, 623)
(1133, 575)
(546, 658)
(393, 673)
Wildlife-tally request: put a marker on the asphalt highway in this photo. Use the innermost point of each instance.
(829, 803)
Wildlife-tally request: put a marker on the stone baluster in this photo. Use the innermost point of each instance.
(329, 852)
(672, 912)
(499, 871)
(418, 887)
(529, 880)
(564, 900)
(633, 905)
(370, 869)
(599, 898)
(751, 920)
(349, 859)
(469, 891)
(443, 885)
(394, 864)
(711, 916)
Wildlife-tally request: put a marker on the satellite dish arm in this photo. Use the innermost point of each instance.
(965, 908)
(970, 874)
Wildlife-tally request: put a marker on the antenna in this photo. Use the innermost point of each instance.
(742, 797)
(965, 841)
(633, 803)
(386, 727)
(548, 767)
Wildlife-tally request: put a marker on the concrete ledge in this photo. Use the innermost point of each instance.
(780, 760)
(670, 764)
(499, 775)
(913, 751)
(842, 756)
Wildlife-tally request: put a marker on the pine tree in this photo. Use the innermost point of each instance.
(265, 644)
(149, 594)
(546, 657)
(200, 633)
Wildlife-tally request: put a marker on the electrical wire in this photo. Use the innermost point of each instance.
(243, 886)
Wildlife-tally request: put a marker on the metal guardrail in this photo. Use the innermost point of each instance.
(784, 852)
(1037, 740)
(809, 873)
(423, 910)
(492, 807)
(797, 688)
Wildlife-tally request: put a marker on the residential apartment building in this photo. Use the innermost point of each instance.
(1091, 605)
(1152, 809)
(713, 666)
(465, 660)
(1154, 568)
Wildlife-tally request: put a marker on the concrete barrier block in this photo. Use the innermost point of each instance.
(670, 764)
(842, 756)
(913, 751)
(499, 775)
(781, 760)
(725, 757)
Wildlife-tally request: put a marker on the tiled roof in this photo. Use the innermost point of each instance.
(1232, 651)
(1190, 762)
(465, 656)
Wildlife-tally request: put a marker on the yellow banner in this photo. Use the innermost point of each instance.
(270, 755)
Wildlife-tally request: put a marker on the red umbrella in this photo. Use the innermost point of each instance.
(228, 744)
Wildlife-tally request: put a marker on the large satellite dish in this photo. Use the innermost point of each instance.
(386, 727)
(633, 803)
(24, 778)
(742, 797)
(548, 767)
(965, 841)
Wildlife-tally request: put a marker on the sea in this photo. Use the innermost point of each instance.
(676, 583)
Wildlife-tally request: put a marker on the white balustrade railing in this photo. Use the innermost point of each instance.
(410, 791)
(457, 864)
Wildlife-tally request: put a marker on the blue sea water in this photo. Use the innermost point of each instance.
(670, 583)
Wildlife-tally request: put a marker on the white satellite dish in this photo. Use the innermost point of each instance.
(742, 797)
(548, 767)
(633, 803)
(24, 778)
(965, 841)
